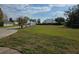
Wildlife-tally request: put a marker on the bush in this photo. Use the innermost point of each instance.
(71, 25)
(49, 24)
(1, 24)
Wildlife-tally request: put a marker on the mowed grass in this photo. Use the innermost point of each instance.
(44, 39)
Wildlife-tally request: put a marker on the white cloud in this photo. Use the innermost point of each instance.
(51, 5)
(60, 5)
(28, 10)
(34, 10)
(58, 14)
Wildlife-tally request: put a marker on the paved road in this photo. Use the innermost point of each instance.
(6, 32)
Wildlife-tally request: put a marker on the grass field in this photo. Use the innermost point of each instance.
(44, 39)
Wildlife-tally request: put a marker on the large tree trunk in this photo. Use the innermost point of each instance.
(21, 26)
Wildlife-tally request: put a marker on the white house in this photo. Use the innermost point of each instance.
(30, 23)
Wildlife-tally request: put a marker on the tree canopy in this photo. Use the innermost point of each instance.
(22, 21)
(59, 20)
(73, 16)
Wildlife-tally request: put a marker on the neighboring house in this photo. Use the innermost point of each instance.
(31, 23)
(8, 24)
(6, 21)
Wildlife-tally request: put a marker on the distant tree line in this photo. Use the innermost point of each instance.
(60, 20)
(57, 21)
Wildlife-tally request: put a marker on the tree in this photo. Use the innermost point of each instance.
(60, 20)
(1, 17)
(38, 21)
(72, 16)
(22, 21)
(11, 20)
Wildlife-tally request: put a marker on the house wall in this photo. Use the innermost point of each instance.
(30, 23)
(8, 24)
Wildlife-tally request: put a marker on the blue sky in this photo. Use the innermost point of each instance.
(42, 11)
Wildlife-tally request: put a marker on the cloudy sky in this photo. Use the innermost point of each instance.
(42, 11)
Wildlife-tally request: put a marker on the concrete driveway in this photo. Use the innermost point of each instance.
(6, 32)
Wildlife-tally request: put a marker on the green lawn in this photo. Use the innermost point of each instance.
(44, 39)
